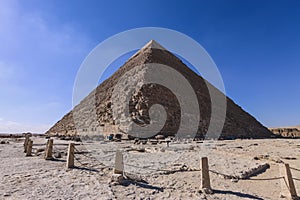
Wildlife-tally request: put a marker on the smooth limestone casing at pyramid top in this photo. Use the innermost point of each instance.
(238, 123)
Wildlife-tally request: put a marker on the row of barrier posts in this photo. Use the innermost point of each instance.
(70, 155)
(28, 143)
(288, 186)
(205, 179)
(288, 189)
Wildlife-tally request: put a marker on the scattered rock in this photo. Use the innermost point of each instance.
(167, 195)
(135, 178)
(282, 196)
(261, 157)
(278, 161)
(160, 137)
(239, 147)
(289, 158)
(139, 149)
(154, 142)
(77, 139)
(254, 171)
(6, 194)
(207, 191)
(57, 155)
(154, 192)
(234, 180)
(40, 150)
(67, 138)
(255, 144)
(117, 178)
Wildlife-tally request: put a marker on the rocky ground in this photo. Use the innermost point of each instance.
(153, 171)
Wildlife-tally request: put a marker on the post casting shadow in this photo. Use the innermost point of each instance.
(142, 185)
(239, 194)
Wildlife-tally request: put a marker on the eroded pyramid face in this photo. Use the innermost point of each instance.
(146, 102)
(153, 93)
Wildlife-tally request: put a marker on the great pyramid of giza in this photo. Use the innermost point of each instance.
(99, 103)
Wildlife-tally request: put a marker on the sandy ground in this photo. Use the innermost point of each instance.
(159, 172)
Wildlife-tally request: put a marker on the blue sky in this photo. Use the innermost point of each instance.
(255, 45)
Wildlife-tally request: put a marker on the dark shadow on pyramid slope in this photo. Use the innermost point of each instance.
(238, 123)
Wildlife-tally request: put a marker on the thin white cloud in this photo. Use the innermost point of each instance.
(21, 31)
(33, 52)
(17, 127)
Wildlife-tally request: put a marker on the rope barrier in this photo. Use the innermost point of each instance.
(234, 177)
(224, 175)
(265, 179)
(92, 166)
(92, 157)
(295, 169)
(162, 170)
(78, 151)
(152, 169)
(60, 149)
(80, 161)
(43, 144)
(165, 170)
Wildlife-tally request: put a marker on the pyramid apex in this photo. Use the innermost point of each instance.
(153, 45)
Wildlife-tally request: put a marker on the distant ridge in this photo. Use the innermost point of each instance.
(288, 131)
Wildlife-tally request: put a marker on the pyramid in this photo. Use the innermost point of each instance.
(95, 113)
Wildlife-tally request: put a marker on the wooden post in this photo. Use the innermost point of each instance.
(119, 166)
(70, 157)
(49, 148)
(29, 148)
(26, 142)
(287, 185)
(205, 180)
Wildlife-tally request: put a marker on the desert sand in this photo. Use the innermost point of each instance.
(153, 171)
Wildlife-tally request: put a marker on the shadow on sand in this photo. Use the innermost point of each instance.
(142, 184)
(238, 194)
(86, 169)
